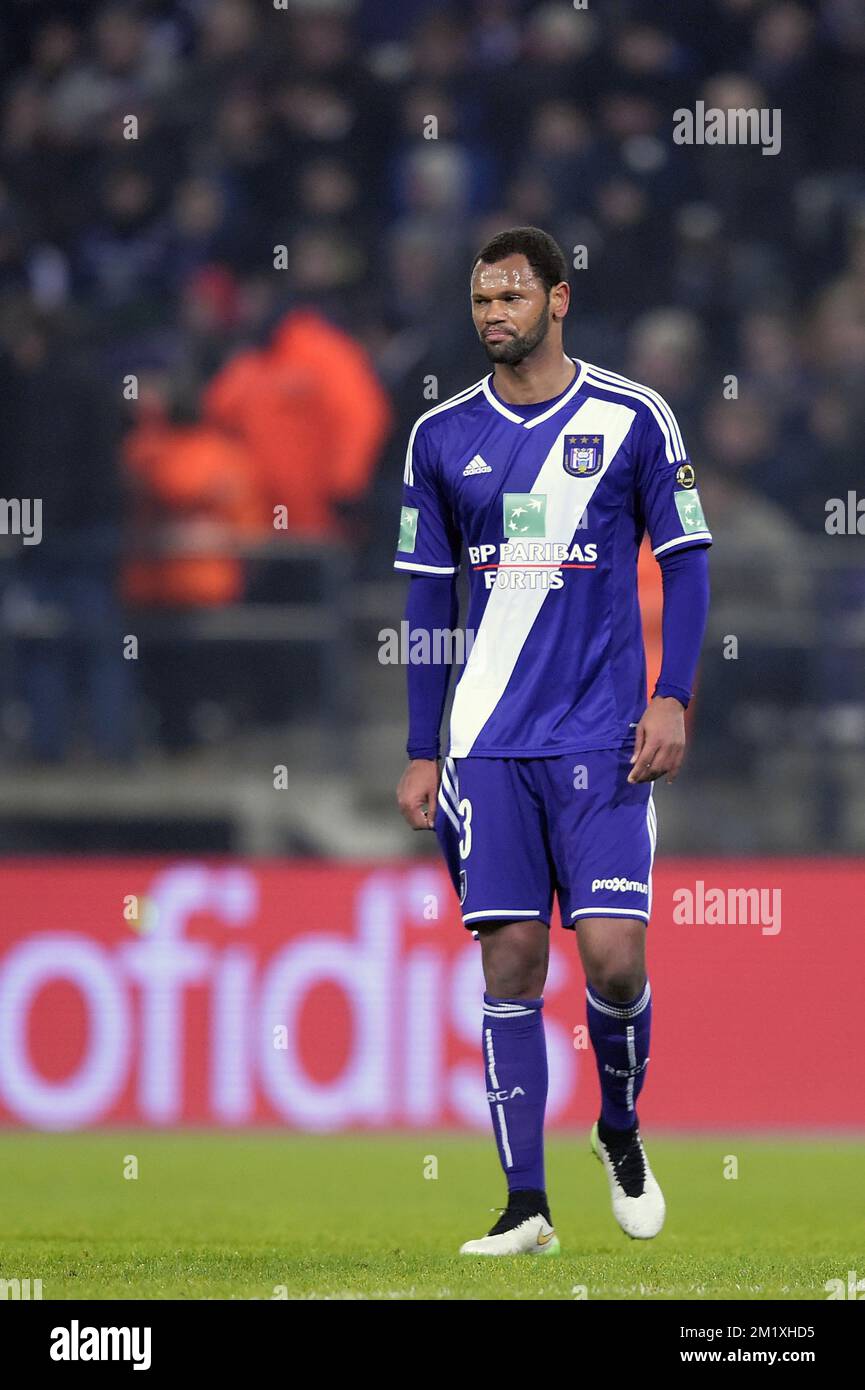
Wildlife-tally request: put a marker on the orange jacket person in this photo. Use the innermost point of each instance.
(313, 415)
(195, 495)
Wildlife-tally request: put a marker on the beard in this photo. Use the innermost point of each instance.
(515, 350)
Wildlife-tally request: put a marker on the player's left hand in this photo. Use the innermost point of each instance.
(417, 793)
(659, 746)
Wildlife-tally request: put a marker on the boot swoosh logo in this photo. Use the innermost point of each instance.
(545, 1240)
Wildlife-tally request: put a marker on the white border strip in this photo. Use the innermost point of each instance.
(683, 540)
(425, 569)
(497, 405)
(509, 1159)
(448, 812)
(503, 912)
(571, 392)
(661, 410)
(458, 399)
(609, 912)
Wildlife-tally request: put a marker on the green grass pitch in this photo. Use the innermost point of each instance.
(222, 1216)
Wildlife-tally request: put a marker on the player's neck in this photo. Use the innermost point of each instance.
(531, 381)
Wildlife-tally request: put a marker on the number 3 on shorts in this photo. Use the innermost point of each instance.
(465, 810)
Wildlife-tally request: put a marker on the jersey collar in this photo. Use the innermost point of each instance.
(536, 419)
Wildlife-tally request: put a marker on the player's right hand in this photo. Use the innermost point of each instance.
(417, 793)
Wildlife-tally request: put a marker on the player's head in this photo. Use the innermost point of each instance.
(520, 293)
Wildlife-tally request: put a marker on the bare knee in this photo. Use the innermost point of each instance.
(618, 981)
(515, 959)
(614, 957)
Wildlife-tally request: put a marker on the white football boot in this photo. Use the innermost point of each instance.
(516, 1233)
(638, 1202)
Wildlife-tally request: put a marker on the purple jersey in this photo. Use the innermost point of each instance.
(550, 504)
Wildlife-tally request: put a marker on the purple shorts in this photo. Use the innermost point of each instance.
(514, 831)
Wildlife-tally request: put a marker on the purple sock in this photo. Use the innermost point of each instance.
(620, 1037)
(515, 1059)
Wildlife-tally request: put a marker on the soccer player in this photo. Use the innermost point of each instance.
(546, 473)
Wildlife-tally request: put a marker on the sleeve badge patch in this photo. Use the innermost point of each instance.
(690, 511)
(408, 530)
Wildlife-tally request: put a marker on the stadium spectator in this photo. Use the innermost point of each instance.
(195, 502)
(313, 416)
(61, 439)
(194, 505)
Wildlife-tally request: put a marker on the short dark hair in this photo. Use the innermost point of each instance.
(543, 254)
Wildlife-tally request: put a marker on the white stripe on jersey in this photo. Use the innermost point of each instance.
(425, 569)
(408, 472)
(666, 420)
(510, 613)
(654, 400)
(689, 539)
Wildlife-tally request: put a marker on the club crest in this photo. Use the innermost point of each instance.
(584, 454)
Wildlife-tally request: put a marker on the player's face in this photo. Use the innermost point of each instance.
(511, 309)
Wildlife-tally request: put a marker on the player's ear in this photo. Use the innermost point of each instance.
(560, 298)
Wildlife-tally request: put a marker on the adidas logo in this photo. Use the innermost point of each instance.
(477, 465)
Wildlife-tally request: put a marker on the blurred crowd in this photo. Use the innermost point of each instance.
(234, 246)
